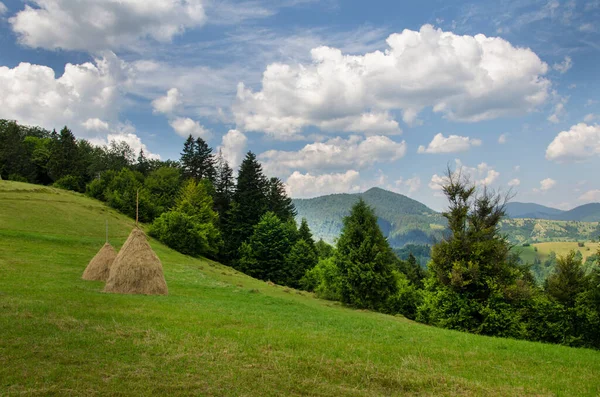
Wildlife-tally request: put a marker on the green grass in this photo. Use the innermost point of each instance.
(563, 248)
(219, 332)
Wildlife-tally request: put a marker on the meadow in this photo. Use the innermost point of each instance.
(219, 332)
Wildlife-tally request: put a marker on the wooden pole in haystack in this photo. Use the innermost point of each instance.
(106, 222)
(137, 207)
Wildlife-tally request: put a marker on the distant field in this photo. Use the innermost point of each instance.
(219, 332)
(563, 248)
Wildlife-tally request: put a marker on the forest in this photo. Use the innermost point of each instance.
(473, 281)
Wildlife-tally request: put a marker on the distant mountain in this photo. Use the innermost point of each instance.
(583, 213)
(407, 221)
(531, 210)
(402, 219)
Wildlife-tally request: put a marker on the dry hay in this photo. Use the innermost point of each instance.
(99, 266)
(137, 269)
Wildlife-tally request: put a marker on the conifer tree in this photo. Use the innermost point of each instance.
(365, 260)
(568, 279)
(279, 202)
(187, 157)
(248, 205)
(143, 165)
(64, 155)
(305, 234)
(224, 186)
(204, 161)
(264, 254)
(301, 259)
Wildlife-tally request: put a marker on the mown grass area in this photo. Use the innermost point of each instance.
(563, 248)
(219, 332)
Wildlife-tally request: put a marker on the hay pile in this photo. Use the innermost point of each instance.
(137, 269)
(99, 266)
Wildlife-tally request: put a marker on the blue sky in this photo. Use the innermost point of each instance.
(333, 96)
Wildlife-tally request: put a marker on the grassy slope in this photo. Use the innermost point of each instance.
(222, 333)
(563, 248)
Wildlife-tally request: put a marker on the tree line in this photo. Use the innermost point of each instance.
(473, 281)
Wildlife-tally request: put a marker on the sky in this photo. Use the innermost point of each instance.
(333, 96)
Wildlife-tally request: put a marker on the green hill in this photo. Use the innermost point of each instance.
(583, 213)
(402, 219)
(219, 332)
(521, 231)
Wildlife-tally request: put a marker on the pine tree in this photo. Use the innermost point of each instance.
(264, 254)
(143, 165)
(187, 157)
(248, 205)
(224, 185)
(568, 279)
(64, 156)
(301, 259)
(305, 234)
(324, 250)
(365, 260)
(279, 202)
(204, 161)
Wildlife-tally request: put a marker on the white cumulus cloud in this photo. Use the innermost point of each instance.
(547, 184)
(451, 144)
(589, 118)
(582, 141)
(125, 134)
(233, 146)
(184, 126)
(33, 94)
(514, 182)
(3, 8)
(168, 103)
(466, 78)
(94, 25)
(308, 185)
(335, 153)
(482, 175)
(502, 139)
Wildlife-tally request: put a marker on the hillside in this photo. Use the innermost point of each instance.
(531, 210)
(219, 332)
(407, 221)
(583, 213)
(402, 219)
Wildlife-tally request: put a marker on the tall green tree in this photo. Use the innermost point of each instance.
(264, 255)
(64, 158)
(224, 187)
(302, 258)
(197, 160)
(365, 260)
(568, 279)
(279, 202)
(249, 204)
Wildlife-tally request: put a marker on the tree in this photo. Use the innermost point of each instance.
(197, 160)
(305, 234)
(324, 250)
(190, 227)
(568, 280)
(264, 255)
(248, 206)
(365, 260)
(163, 185)
(142, 166)
(279, 202)
(64, 158)
(302, 258)
(224, 187)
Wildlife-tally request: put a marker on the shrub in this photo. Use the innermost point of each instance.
(581, 244)
(324, 280)
(183, 233)
(17, 178)
(406, 300)
(70, 182)
(526, 244)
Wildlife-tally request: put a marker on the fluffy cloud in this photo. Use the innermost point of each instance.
(168, 103)
(413, 184)
(482, 175)
(185, 127)
(94, 25)
(3, 8)
(233, 146)
(589, 118)
(467, 78)
(335, 153)
(308, 185)
(580, 142)
(592, 195)
(547, 184)
(95, 124)
(33, 94)
(502, 139)
(451, 144)
(514, 182)
(564, 66)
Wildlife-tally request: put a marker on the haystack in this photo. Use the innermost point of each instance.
(99, 266)
(136, 269)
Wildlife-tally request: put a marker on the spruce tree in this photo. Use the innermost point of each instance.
(279, 202)
(143, 165)
(187, 157)
(64, 156)
(248, 205)
(204, 161)
(264, 255)
(301, 259)
(224, 185)
(568, 279)
(365, 260)
(305, 234)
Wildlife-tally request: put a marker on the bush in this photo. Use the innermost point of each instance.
(324, 280)
(70, 182)
(17, 178)
(526, 244)
(581, 244)
(183, 233)
(406, 300)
